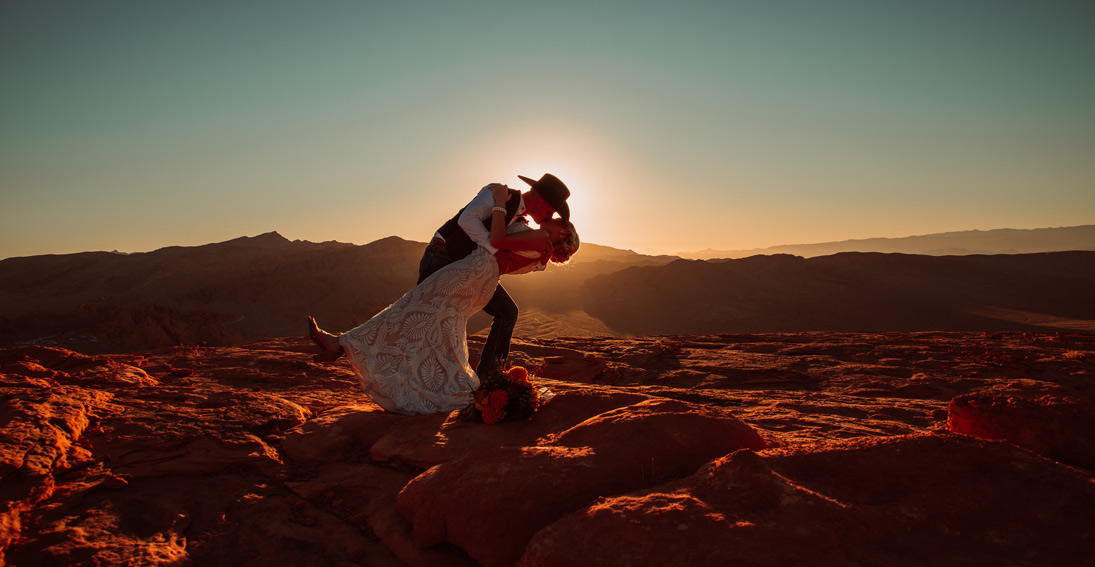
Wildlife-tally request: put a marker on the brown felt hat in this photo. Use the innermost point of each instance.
(553, 191)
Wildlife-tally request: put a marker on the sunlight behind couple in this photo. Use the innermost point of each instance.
(588, 161)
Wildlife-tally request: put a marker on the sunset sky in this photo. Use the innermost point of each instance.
(678, 125)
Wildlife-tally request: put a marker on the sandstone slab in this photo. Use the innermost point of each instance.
(1059, 428)
(845, 503)
(211, 456)
(491, 501)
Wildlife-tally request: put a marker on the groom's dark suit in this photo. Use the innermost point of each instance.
(458, 243)
(454, 244)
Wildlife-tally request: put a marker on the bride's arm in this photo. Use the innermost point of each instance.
(537, 240)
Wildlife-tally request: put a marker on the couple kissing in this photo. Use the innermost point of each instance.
(412, 357)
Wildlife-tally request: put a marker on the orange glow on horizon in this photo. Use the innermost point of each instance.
(587, 161)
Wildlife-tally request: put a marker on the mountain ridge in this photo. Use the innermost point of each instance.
(994, 241)
(253, 288)
(864, 291)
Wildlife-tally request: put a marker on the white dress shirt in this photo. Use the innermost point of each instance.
(478, 210)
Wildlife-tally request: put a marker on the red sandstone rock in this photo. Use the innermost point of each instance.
(1059, 428)
(326, 438)
(661, 439)
(249, 455)
(364, 495)
(582, 369)
(40, 424)
(428, 440)
(841, 504)
(491, 501)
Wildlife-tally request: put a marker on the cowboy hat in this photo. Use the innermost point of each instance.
(553, 191)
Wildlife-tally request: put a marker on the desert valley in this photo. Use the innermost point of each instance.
(264, 286)
(859, 408)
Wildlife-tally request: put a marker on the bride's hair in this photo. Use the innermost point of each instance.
(563, 250)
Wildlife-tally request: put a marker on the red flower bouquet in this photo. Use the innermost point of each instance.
(506, 396)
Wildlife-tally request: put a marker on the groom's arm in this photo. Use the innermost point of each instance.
(477, 211)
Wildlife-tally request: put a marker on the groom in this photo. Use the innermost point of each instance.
(470, 227)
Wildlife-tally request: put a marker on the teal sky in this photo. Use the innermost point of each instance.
(678, 126)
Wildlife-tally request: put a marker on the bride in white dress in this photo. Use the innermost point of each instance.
(412, 357)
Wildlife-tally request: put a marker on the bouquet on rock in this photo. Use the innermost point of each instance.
(506, 396)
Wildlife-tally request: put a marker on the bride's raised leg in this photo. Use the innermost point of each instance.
(326, 342)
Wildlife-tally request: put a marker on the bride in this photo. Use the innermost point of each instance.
(412, 357)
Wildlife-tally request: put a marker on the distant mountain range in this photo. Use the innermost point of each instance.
(850, 291)
(1001, 241)
(247, 288)
(264, 286)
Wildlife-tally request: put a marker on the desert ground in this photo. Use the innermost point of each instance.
(897, 448)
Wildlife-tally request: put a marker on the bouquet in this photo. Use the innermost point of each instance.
(506, 396)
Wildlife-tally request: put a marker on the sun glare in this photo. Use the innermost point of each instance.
(575, 179)
(577, 154)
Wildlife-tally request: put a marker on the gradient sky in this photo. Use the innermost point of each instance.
(678, 125)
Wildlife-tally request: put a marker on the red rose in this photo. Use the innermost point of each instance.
(499, 399)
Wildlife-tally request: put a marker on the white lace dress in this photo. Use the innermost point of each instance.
(412, 357)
